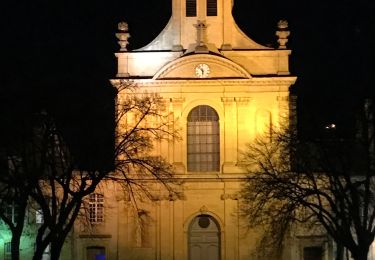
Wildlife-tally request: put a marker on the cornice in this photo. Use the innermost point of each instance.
(266, 81)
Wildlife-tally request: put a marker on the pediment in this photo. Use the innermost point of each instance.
(185, 68)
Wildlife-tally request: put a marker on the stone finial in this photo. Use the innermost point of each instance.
(123, 26)
(282, 24)
(123, 35)
(282, 33)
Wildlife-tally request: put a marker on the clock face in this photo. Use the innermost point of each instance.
(202, 70)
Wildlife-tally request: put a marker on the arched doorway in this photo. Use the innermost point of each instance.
(204, 238)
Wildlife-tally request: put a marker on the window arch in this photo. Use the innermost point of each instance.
(191, 8)
(203, 140)
(211, 7)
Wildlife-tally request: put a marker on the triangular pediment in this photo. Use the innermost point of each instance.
(201, 66)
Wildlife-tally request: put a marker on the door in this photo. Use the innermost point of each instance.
(95, 253)
(204, 239)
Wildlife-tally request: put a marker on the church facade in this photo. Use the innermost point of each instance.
(221, 90)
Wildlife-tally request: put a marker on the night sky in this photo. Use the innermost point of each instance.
(59, 55)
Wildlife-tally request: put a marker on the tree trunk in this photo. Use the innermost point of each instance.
(56, 247)
(39, 251)
(17, 230)
(15, 245)
(38, 254)
(361, 253)
(340, 252)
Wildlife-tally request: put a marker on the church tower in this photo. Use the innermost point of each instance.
(221, 90)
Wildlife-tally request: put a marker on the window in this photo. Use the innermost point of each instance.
(7, 250)
(191, 8)
(211, 7)
(203, 140)
(313, 253)
(11, 212)
(96, 208)
(39, 217)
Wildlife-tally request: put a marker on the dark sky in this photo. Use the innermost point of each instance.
(59, 54)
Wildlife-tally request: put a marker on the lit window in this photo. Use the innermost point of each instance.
(39, 217)
(191, 8)
(203, 140)
(211, 7)
(96, 208)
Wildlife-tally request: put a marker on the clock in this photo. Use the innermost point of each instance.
(202, 70)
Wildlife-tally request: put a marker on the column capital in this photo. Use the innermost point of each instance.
(227, 100)
(243, 100)
(228, 196)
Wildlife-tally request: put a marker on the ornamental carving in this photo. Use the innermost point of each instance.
(243, 100)
(227, 100)
(123, 35)
(282, 33)
(203, 209)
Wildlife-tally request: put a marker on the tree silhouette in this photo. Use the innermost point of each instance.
(294, 184)
(61, 185)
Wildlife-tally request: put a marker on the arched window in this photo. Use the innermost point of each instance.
(191, 8)
(211, 7)
(203, 140)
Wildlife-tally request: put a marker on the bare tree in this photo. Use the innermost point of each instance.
(61, 193)
(142, 121)
(22, 160)
(13, 204)
(293, 183)
(40, 171)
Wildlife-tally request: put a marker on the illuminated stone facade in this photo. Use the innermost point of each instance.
(200, 63)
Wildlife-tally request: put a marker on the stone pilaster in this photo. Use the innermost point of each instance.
(178, 152)
(283, 106)
(231, 219)
(244, 123)
(230, 134)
